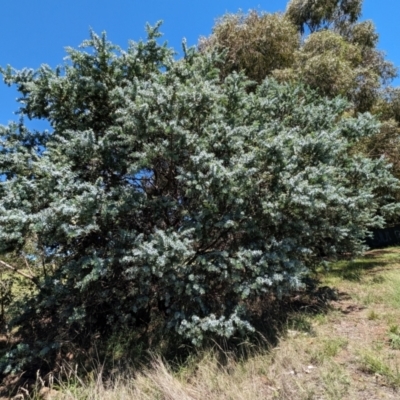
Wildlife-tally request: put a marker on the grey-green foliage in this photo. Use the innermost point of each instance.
(162, 196)
(322, 14)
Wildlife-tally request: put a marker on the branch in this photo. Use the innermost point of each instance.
(33, 278)
(28, 266)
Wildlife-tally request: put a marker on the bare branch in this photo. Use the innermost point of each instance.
(28, 266)
(33, 278)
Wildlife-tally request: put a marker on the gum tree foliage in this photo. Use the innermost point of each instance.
(327, 63)
(164, 197)
(316, 42)
(314, 15)
(333, 65)
(255, 43)
(338, 44)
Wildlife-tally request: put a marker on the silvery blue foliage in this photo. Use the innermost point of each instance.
(163, 194)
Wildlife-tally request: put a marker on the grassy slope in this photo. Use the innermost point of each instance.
(349, 351)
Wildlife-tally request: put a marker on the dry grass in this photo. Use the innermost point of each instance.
(350, 352)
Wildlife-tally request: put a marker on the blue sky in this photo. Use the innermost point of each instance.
(36, 32)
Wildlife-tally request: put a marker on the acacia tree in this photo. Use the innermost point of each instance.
(165, 197)
(322, 44)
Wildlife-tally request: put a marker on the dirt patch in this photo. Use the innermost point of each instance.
(366, 333)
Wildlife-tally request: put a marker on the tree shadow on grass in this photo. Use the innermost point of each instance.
(373, 262)
(272, 319)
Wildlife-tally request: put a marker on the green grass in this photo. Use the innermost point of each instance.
(373, 363)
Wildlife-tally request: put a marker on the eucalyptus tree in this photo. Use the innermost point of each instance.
(314, 15)
(333, 65)
(320, 43)
(254, 43)
(163, 198)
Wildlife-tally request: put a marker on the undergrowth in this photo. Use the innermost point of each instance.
(342, 342)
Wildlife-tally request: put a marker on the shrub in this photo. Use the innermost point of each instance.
(163, 197)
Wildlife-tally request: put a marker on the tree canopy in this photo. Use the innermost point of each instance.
(336, 55)
(323, 14)
(325, 46)
(249, 44)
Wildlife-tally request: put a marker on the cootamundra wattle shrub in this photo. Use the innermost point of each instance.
(162, 195)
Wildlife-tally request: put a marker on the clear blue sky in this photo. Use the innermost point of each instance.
(36, 32)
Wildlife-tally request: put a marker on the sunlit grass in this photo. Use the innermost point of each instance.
(376, 363)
